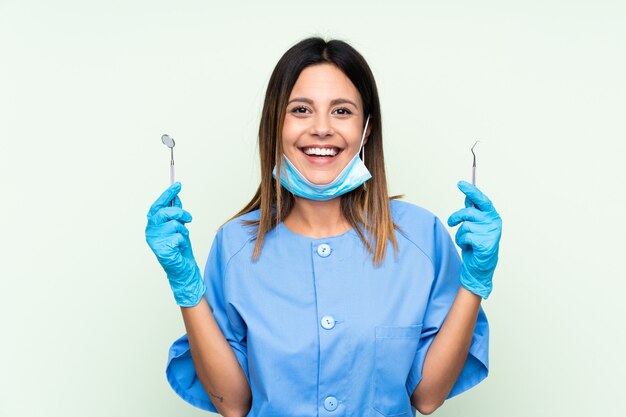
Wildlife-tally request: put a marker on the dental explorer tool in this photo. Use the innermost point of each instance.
(169, 142)
(474, 165)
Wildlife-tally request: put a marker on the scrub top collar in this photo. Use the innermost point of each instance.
(282, 229)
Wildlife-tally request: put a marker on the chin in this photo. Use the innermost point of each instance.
(319, 179)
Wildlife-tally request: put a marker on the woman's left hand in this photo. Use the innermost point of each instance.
(479, 239)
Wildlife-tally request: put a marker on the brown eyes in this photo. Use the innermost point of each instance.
(342, 111)
(299, 109)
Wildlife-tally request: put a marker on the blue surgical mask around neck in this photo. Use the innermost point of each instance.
(353, 175)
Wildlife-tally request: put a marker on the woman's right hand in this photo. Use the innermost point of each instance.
(168, 238)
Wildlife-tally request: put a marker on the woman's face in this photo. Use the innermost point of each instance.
(324, 116)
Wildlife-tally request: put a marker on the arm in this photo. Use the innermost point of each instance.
(446, 356)
(451, 332)
(215, 363)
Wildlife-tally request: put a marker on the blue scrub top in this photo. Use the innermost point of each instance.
(319, 331)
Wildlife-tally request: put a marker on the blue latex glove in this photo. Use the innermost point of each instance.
(168, 238)
(479, 239)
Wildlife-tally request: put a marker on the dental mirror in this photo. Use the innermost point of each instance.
(169, 142)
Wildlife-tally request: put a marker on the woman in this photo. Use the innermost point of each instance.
(325, 296)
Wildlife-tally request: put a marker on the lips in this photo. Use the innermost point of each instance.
(321, 150)
(320, 159)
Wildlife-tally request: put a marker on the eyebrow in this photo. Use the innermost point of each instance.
(332, 103)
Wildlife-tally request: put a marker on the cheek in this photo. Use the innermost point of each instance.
(287, 141)
(291, 132)
(351, 134)
(287, 135)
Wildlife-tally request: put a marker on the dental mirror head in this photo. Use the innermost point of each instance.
(168, 141)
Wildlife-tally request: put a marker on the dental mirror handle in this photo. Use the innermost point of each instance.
(172, 174)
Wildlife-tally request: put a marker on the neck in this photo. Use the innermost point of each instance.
(317, 219)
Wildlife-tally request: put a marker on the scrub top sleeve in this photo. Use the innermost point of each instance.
(446, 283)
(180, 370)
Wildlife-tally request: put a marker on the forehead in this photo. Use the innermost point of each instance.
(324, 82)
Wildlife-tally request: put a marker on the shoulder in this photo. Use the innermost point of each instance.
(234, 235)
(421, 227)
(405, 213)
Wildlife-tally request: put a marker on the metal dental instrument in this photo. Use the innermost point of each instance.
(169, 142)
(474, 165)
(474, 168)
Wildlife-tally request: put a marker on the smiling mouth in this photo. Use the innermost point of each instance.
(319, 152)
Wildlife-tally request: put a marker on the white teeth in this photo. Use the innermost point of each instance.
(320, 151)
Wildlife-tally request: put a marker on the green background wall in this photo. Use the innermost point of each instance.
(87, 88)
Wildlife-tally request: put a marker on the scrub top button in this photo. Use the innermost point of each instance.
(331, 403)
(323, 250)
(328, 322)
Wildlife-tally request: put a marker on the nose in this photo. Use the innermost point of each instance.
(322, 126)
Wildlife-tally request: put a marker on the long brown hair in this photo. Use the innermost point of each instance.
(367, 206)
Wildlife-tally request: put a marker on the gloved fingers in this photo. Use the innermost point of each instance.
(484, 244)
(484, 228)
(170, 213)
(169, 253)
(494, 226)
(469, 227)
(180, 241)
(165, 229)
(165, 198)
(465, 239)
(482, 202)
(176, 226)
(169, 248)
(467, 214)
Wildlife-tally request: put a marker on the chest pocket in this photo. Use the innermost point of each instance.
(396, 347)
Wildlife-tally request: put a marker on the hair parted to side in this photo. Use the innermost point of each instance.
(366, 207)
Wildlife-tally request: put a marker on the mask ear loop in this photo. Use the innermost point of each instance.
(363, 146)
(363, 137)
